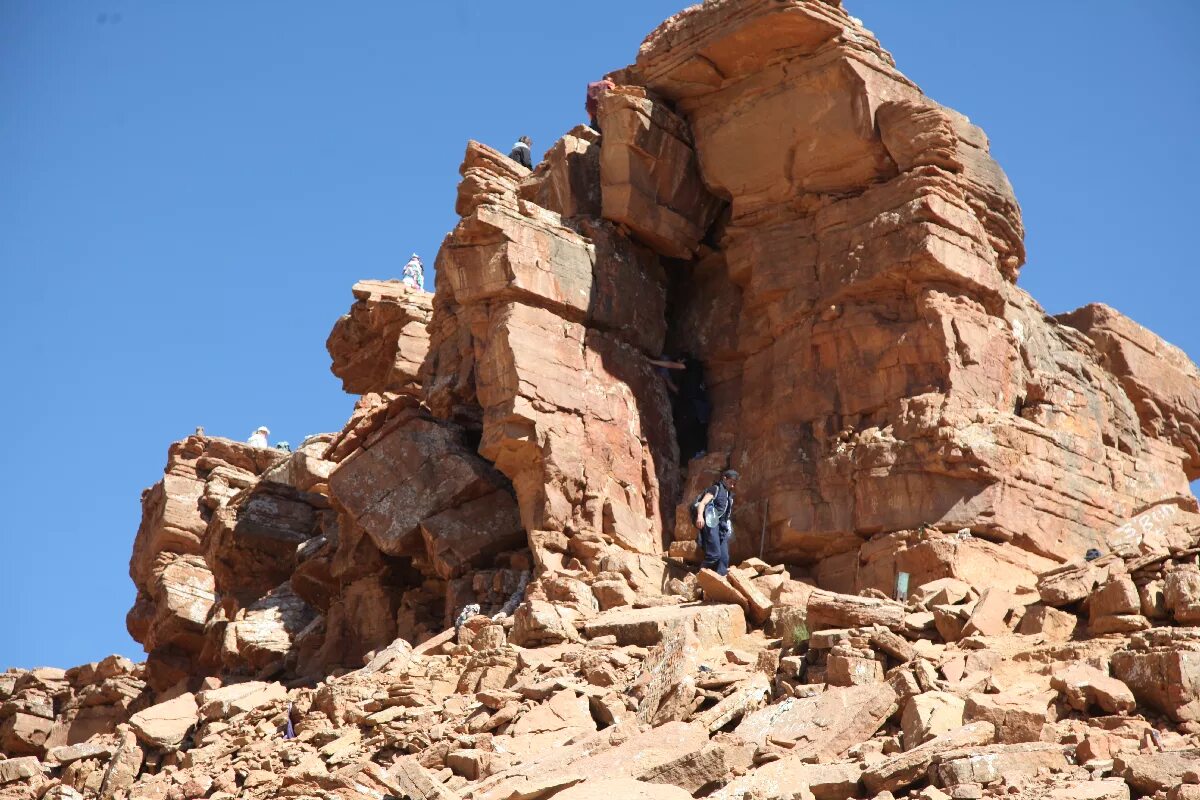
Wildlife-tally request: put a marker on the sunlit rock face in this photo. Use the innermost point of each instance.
(768, 194)
(887, 373)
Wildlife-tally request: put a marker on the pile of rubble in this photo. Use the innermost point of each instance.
(772, 688)
(487, 586)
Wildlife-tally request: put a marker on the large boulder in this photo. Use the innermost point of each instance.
(824, 726)
(167, 724)
(380, 345)
(649, 175)
(1162, 669)
(411, 470)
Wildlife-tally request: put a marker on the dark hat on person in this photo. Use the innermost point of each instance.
(731, 473)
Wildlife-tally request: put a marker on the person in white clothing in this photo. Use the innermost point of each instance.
(259, 437)
(414, 273)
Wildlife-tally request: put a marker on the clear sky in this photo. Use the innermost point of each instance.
(191, 188)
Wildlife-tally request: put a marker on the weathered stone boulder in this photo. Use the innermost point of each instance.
(994, 763)
(906, 768)
(1162, 669)
(411, 470)
(1160, 380)
(1152, 772)
(18, 769)
(380, 345)
(167, 724)
(823, 726)
(1015, 716)
(22, 733)
(251, 543)
(1083, 686)
(649, 175)
(1181, 595)
(237, 698)
(930, 714)
(265, 632)
(711, 623)
(567, 181)
(467, 536)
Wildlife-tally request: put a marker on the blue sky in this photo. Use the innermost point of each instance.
(191, 188)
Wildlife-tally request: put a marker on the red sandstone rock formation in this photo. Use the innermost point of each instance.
(876, 373)
(888, 374)
(379, 346)
(772, 196)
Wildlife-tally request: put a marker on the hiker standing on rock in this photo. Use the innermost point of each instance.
(259, 437)
(521, 154)
(713, 513)
(414, 273)
(594, 90)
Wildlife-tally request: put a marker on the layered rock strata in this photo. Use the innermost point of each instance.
(541, 330)
(478, 588)
(379, 346)
(888, 374)
(874, 371)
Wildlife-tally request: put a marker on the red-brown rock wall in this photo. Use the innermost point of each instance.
(380, 345)
(888, 374)
(551, 328)
(771, 195)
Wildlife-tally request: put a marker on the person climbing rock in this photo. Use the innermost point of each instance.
(414, 273)
(259, 437)
(592, 103)
(663, 366)
(713, 515)
(521, 154)
(689, 403)
(692, 410)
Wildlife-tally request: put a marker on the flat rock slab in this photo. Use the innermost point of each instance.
(239, 697)
(825, 725)
(591, 760)
(1151, 772)
(76, 752)
(833, 610)
(165, 725)
(910, 766)
(780, 778)
(692, 771)
(719, 589)
(19, 769)
(711, 623)
(984, 765)
(623, 788)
